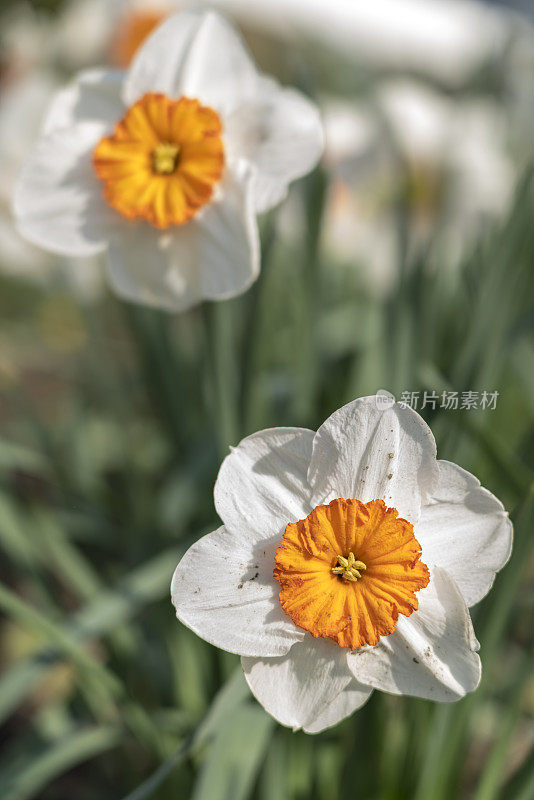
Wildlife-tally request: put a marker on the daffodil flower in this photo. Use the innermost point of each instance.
(346, 562)
(165, 166)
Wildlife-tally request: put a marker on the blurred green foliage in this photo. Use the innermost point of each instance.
(107, 464)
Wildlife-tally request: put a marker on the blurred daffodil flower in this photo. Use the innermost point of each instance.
(90, 32)
(447, 161)
(447, 40)
(165, 167)
(346, 562)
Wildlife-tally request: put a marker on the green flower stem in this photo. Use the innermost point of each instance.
(160, 363)
(308, 363)
(251, 326)
(221, 373)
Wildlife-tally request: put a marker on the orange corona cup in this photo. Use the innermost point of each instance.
(348, 570)
(163, 160)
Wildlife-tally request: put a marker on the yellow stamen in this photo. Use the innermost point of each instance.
(165, 158)
(349, 568)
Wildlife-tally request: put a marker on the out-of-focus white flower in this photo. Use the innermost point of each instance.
(23, 102)
(350, 134)
(166, 166)
(357, 229)
(465, 139)
(447, 159)
(95, 32)
(445, 39)
(25, 42)
(84, 33)
(346, 561)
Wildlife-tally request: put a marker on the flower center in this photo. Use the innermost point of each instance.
(348, 568)
(163, 160)
(352, 600)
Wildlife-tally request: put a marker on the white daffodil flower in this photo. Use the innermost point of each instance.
(166, 166)
(346, 562)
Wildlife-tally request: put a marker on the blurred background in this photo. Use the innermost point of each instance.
(405, 262)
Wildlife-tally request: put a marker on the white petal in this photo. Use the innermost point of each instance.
(351, 698)
(369, 452)
(431, 654)
(94, 96)
(224, 590)
(153, 268)
(465, 530)
(24, 103)
(159, 62)
(229, 247)
(58, 201)
(280, 132)
(198, 55)
(215, 256)
(261, 485)
(297, 687)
